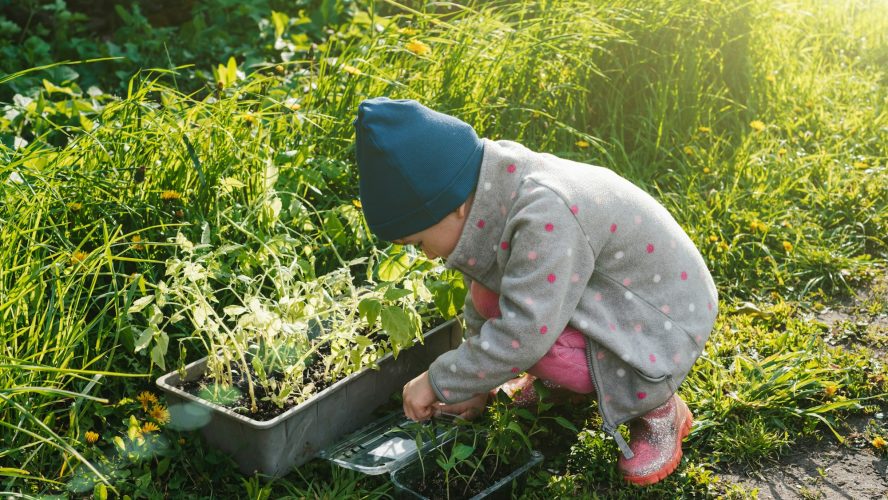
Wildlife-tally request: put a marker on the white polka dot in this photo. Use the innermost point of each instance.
(672, 244)
(574, 278)
(570, 251)
(691, 307)
(693, 354)
(487, 186)
(511, 314)
(485, 345)
(453, 368)
(628, 295)
(621, 372)
(667, 325)
(584, 324)
(619, 255)
(657, 278)
(626, 357)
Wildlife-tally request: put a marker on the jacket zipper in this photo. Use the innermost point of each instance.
(609, 429)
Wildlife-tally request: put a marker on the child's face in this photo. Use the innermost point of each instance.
(440, 239)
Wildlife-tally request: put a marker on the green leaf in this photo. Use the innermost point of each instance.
(397, 325)
(159, 350)
(563, 422)
(393, 294)
(145, 338)
(140, 303)
(394, 267)
(100, 491)
(462, 451)
(369, 308)
(279, 19)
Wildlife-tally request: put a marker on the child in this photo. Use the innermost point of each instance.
(576, 275)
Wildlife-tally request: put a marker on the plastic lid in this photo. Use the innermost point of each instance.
(380, 447)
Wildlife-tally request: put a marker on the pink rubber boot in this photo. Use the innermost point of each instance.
(655, 439)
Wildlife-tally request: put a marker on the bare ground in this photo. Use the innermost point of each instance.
(827, 469)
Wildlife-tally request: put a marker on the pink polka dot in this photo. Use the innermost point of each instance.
(597, 297)
(550, 227)
(612, 327)
(607, 398)
(511, 168)
(653, 358)
(665, 308)
(502, 210)
(684, 275)
(627, 281)
(551, 278)
(574, 278)
(613, 228)
(544, 329)
(637, 327)
(638, 219)
(699, 338)
(515, 369)
(709, 305)
(574, 209)
(650, 248)
(676, 358)
(504, 245)
(446, 393)
(642, 395)
(482, 375)
(481, 224)
(516, 344)
(512, 196)
(472, 261)
(599, 355)
(528, 301)
(532, 255)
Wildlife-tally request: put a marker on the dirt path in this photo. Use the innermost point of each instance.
(827, 469)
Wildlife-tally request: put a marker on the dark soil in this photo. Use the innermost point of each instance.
(237, 398)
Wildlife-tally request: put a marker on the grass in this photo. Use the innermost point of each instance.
(761, 127)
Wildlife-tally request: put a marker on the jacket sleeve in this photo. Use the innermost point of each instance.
(547, 264)
(473, 319)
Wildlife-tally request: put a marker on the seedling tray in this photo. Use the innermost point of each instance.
(273, 447)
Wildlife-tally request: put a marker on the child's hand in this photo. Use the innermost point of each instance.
(419, 398)
(467, 409)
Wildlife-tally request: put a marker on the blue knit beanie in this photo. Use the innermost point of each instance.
(416, 165)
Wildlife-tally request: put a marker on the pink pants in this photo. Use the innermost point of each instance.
(565, 364)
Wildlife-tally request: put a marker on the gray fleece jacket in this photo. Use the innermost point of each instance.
(565, 243)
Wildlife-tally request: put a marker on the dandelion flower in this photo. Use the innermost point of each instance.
(357, 204)
(249, 119)
(279, 68)
(407, 31)
(757, 125)
(137, 245)
(148, 427)
(713, 238)
(787, 246)
(688, 151)
(75, 206)
(91, 437)
(830, 390)
(706, 170)
(756, 226)
(860, 164)
(147, 399)
(417, 47)
(170, 195)
(771, 78)
(781, 151)
(879, 443)
(295, 106)
(78, 257)
(582, 144)
(160, 413)
(704, 130)
(351, 70)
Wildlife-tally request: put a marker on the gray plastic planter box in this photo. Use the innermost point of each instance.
(273, 447)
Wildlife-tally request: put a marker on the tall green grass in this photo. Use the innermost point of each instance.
(761, 126)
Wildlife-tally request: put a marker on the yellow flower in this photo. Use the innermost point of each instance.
(781, 151)
(147, 399)
(181, 441)
(407, 31)
(295, 106)
(75, 206)
(279, 68)
(418, 47)
(860, 164)
(688, 151)
(582, 144)
(136, 239)
(78, 257)
(351, 70)
(704, 130)
(357, 204)
(170, 195)
(757, 125)
(250, 119)
(830, 390)
(879, 443)
(160, 413)
(91, 437)
(787, 246)
(771, 78)
(705, 170)
(713, 238)
(756, 226)
(150, 427)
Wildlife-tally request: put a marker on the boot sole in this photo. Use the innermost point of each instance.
(670, 466)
